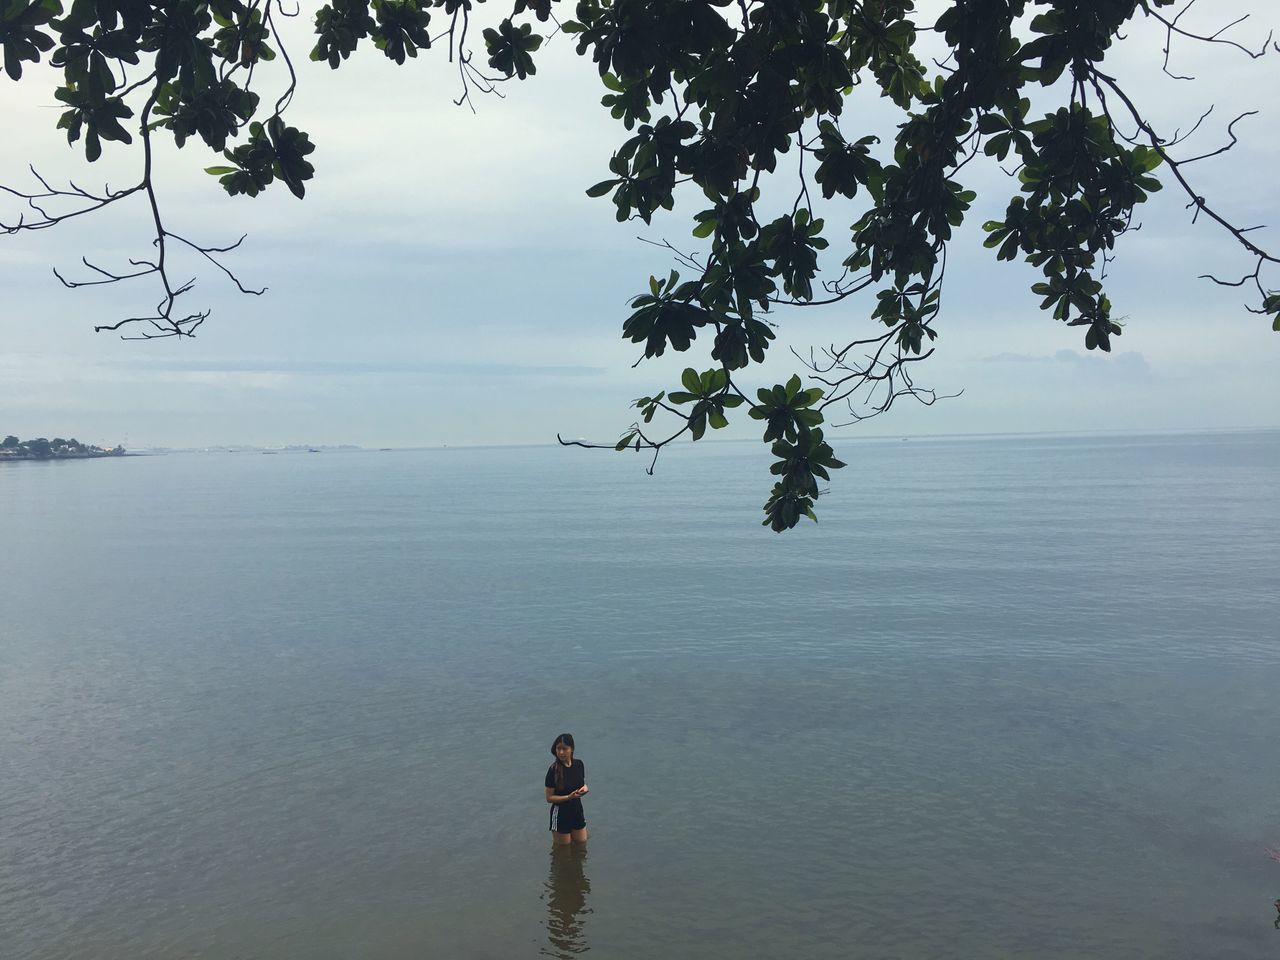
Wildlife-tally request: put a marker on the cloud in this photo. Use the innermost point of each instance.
(227, 379)
(1130, 362)
(341, 368)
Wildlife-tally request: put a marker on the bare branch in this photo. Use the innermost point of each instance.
(1175, 167)
(1172, 28)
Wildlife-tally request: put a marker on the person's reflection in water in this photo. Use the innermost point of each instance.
(566, 896)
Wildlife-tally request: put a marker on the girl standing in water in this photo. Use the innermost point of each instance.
(566, 784)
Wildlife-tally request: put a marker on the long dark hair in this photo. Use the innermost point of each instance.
(567, 740)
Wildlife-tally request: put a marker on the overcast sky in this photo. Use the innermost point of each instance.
(446, 280)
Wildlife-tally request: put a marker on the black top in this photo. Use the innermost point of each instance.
(574, 777)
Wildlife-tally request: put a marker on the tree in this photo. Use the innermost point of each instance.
(9, 442)
(714, 96)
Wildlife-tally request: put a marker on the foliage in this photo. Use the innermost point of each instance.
(43, 449)
(718, 100)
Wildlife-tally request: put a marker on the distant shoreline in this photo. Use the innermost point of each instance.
(56, 449)
(32, 458)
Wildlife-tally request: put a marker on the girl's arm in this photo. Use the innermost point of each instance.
(552, 798)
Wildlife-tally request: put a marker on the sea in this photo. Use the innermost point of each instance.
(1011, 697)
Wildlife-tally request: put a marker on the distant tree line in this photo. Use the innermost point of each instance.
(44, 449)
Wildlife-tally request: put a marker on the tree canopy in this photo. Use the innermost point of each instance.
(44, 449)
(719, 102)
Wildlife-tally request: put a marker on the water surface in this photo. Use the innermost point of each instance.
(1011, 697)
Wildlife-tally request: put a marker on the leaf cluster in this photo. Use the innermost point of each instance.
(709, 393)
(274, 151)
(21, 35)
(792, 425)
(399, 28)
(1080, 185)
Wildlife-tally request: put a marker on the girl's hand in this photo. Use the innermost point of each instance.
(581, 790)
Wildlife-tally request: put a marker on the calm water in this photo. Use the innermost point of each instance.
(1011, 698)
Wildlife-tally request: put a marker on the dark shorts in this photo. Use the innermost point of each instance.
(568, 816)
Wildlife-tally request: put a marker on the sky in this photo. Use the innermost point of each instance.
(447, 281)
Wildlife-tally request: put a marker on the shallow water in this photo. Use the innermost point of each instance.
(1011, 697)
